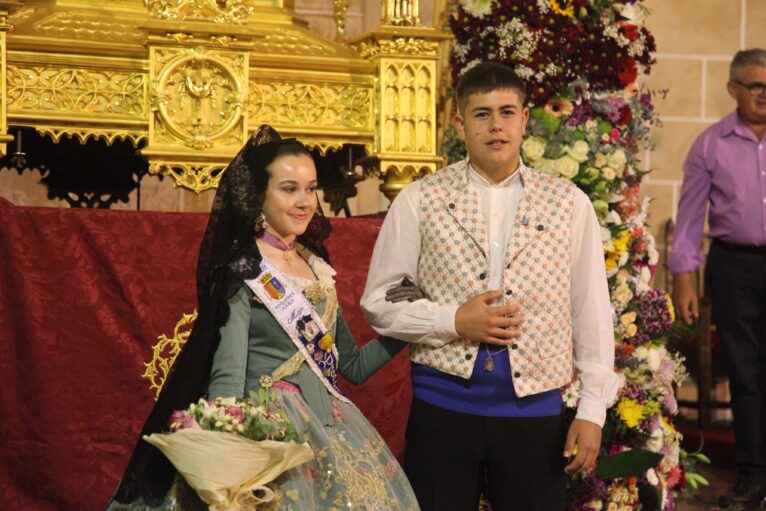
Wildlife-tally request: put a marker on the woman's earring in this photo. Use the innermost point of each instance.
(260, 222)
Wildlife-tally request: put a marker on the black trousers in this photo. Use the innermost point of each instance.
(450, 457)
(736, 281)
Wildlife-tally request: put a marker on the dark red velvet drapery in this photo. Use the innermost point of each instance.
(84, 295)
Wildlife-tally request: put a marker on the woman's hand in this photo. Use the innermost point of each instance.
(404, 291)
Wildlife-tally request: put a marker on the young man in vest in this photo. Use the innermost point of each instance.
(511, 264)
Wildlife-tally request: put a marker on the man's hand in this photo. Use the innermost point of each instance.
(685, 298)
(407, 290)
(478, 320)
(586, 437)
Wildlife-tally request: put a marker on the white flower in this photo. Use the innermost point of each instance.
(654, 444)
(534, 148)
(477, 8)
(606, 236)
(524, 72)
(651, 476)
(567, 167)
(578, 151)
(608, 173)
(631, 12)
(613, 217)
(653, 359)
(571, 393)
(600, 160)
(623, 259)
(617, 161)
(546, 166)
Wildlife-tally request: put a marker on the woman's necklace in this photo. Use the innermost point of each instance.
(275, 242)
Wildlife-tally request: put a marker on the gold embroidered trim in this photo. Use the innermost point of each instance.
(288, 368)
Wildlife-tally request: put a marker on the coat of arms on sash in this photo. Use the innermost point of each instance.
(272, 285)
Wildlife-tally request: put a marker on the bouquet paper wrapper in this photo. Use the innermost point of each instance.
(224, 468)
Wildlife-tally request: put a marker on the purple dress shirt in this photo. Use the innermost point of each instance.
(726, 167)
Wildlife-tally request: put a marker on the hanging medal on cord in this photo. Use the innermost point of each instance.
(489, 364)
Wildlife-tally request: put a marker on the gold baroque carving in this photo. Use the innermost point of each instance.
(285, 43)
(198, 98)
(219, 11)
(340, 8)
(195, 177)
(165, 351)
(398, 175)
(76, 90)
(83, 134)
(305, 103)
(323, 146)
(89, 26)
(398, 46)
(20, 15)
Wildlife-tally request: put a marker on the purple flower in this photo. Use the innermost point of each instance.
(670, 403)
(655, 312)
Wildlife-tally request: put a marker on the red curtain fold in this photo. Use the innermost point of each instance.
(84, 295)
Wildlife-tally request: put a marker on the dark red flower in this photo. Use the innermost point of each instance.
(628, 71)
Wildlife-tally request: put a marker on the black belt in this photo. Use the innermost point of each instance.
(744, 249)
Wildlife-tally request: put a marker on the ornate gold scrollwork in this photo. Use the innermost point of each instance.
(219, 11)
(91, 26)
(198, 98)
(306, 103)
(397, 175)
(76, 90)
(85, 134)
(398, 46)
(165, 351)
(283, 42)
(195, 177)
(340, 8)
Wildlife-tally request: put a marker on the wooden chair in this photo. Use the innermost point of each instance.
(699, 347)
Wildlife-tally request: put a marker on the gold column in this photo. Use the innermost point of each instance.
(5, 25)
(406, 58)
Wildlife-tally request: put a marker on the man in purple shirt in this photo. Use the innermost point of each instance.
(726, 169)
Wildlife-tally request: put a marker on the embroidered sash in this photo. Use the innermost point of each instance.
(301, 322)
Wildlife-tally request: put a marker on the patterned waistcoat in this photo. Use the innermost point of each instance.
(453, 267)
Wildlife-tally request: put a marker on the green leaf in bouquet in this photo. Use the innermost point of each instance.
(551, 122)
(630, 463)
(604, 126)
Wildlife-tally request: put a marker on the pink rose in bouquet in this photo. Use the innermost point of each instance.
(182, 420)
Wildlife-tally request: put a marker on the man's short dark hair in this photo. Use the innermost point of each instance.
(487, 77)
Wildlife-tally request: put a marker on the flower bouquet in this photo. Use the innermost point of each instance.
(228, 450)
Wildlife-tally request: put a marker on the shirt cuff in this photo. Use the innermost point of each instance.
(444, 321)
(591, 410)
